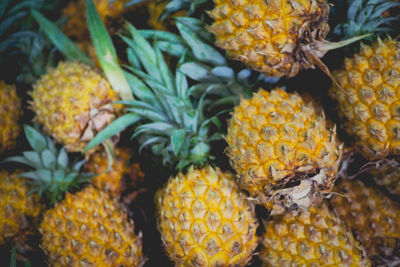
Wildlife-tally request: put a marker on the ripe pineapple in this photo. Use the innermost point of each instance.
(282, 150)
(388, 177)
(315, 237)
(19, 209)
(10, 112)
(86, 228)
(75, 11)
(90, 228)
(374, 218)
(369, 99)
(278, 38)
(205, 220)
(73, 102)
(113, 181)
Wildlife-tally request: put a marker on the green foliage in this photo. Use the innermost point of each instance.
(22, 46)
(361, 17)
(176, 5)
(53, 174)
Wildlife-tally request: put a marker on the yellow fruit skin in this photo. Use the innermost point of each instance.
(76, 26)
(373, 217)
(73, 102)
(90, 229)
(276, 139)
(10, 112)
(19, 210)
(310, 238)
(268, 35)
(370, 99)
(112, 181)
(205, 220)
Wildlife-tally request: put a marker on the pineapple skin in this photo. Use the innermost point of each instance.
(373, 217)
(387, 177)
(266, 35)
(112, 181)
(205, 220)
(315, 237)
(10, 113)
(19, 209)
(73, 102)
(89, 228)
(276, 138)
(76, 26)
(371, 105)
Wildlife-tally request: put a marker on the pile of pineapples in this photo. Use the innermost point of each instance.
(193, 133)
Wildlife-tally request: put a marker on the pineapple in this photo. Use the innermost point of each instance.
(113, 181)
(315, 237)
(278, 38)
(73, 102)
(374, 218)
(75, 11)
(369, 99)
(84, 228)
(19, 209)
(10, 112)
(387, 177)
(205, 220)
(282, 150)
(155, 9)
(89, 228)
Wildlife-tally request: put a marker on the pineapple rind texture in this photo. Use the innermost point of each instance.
(373, 217)
(75, 11)
(268, 35)
(205, 220)
(113, 180)
(387, 177)
(10, 112)
(73, 102)
(90, 229)
(18, 208)
(369, 99)
(276, 139)
(310, 238)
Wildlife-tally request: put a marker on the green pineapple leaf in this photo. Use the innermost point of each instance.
(51, 175)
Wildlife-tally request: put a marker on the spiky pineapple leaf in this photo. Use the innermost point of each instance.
(106, 53)
(51, 175)
(176, 5)
(67, 47)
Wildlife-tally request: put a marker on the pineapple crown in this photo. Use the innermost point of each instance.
(53, 174)
(362, 17)
(22, 43)
(204, 64)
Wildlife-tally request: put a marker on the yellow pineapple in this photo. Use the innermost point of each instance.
(205, 220)
(282, 150)
(374, 218)
(277, 37)
(90, 228)
(387, 177)
(369, 99)
(86, 228)
(19, 209)
(10, 112)
(113, 180)
(315, 237)
(75, 11)
(73, 102)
